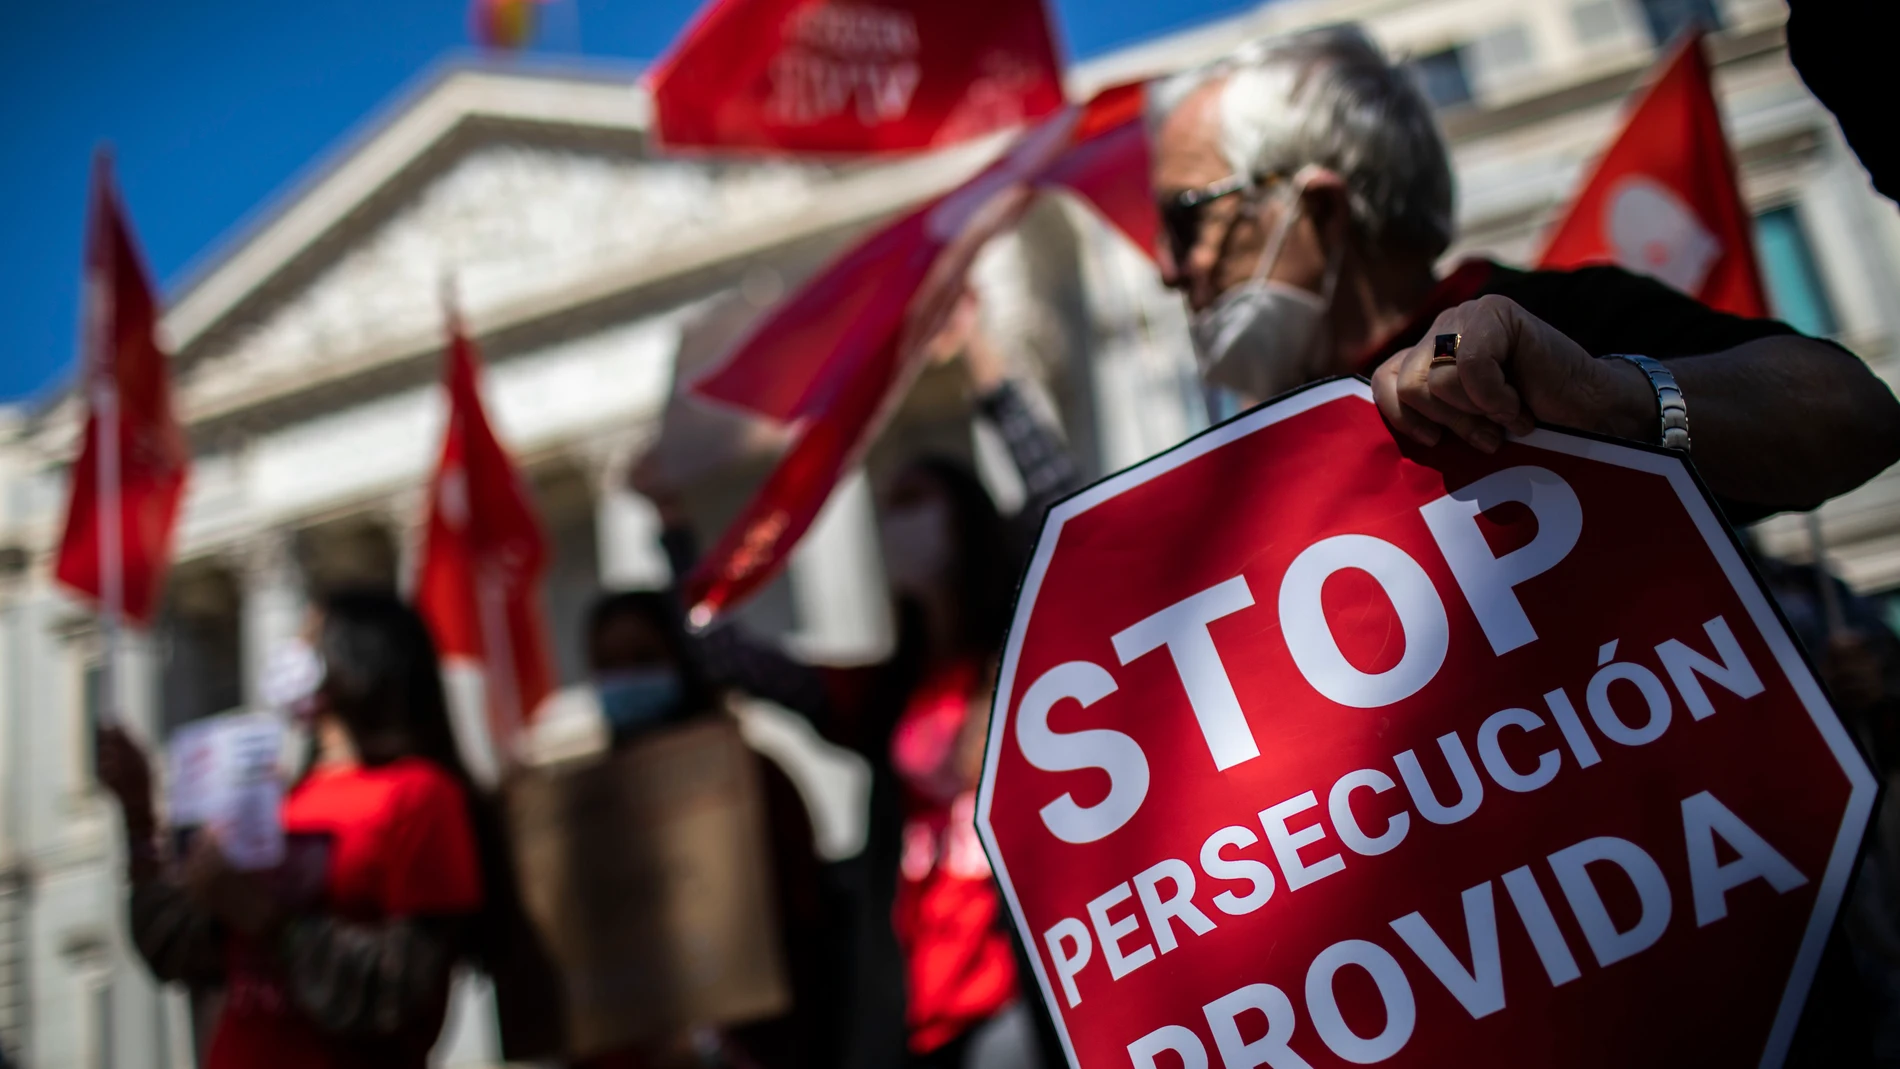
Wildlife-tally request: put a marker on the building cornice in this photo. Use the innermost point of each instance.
(352, 175)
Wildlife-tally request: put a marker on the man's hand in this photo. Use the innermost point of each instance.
(1513, 370)
(646, 477)
(963, 336)
(124, 770)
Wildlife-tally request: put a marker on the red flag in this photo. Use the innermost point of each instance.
(133, 461)
(829, 76)
(840, 353)
(1663, 200)
(484, 555)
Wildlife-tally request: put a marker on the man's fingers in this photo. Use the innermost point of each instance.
(1484, 382)
(1385, 393)
(1444, 384)
(1415, 393)
(1484, 356)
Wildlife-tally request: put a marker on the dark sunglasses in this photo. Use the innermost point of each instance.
(1181, 214)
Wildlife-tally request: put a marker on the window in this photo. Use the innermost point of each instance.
(1794, 280)
(1597, 21)
(1441, 76)
(1667, 18)
(1502, 53)
(92, 691)
(102, 1025)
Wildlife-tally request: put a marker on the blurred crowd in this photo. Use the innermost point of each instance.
(1305, 197)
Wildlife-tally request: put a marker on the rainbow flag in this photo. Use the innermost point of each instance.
(505, 24)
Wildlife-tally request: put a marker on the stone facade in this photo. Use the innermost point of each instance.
(308, 351)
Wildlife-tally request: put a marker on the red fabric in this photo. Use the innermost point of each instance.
(825, 76)
(838, 354)
(484, 555)
(958, 963)
(122, 358)
(1663, 200)
(399, 845)
(1108, 167)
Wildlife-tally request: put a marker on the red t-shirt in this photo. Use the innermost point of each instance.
(390, 841)
(957, 957)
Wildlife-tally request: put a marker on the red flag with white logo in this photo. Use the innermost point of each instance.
(839, 354)
(483, 557)
(825, 76)
(1663, 200)
(130, 475)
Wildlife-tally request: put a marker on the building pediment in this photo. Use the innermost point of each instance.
(514, 208)
(534, 193)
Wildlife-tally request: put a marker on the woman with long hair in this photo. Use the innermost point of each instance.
(933, 917)
(342, 955)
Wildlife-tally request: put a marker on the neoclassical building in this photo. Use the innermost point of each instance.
(595, 274)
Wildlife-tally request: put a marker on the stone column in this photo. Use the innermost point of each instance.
(626, 525)
(838, 587)
(273, 605)
(407, 517)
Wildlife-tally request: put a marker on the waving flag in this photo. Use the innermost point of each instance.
(130, 474)
(836, 77)
(839, 354)
(1663, 200)
(483, 557)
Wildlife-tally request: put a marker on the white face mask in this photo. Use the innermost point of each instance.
(293, 673)
(916, 544)
(1263, 337)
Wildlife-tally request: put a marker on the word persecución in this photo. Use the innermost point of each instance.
(859, 57)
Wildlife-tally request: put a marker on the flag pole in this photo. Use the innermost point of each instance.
(111, 548)
(502, 684)
(110, 519)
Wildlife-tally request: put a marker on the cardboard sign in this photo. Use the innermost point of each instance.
(649, 879)
(1312, 748)
(224, 776)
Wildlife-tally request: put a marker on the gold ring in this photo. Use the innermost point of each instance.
(1445, 350)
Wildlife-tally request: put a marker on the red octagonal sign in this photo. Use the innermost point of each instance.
(1313, 749)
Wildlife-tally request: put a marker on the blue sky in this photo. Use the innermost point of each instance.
(212, 106)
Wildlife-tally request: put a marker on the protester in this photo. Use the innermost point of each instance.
(636, 658)
(919, 718)
(1306, 196)
(1845, 66)
(342, 956)
(1858, 659)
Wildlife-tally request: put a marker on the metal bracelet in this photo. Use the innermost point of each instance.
(1672, 410)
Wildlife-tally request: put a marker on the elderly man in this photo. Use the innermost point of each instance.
(1306, 196)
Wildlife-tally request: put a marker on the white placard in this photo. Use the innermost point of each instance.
(225, 778)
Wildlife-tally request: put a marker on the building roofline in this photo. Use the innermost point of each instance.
(600, 94)
(418, 116)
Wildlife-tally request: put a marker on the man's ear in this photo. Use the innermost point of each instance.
(1327, 202)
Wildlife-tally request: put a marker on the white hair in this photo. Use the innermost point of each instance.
(1328, 96)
